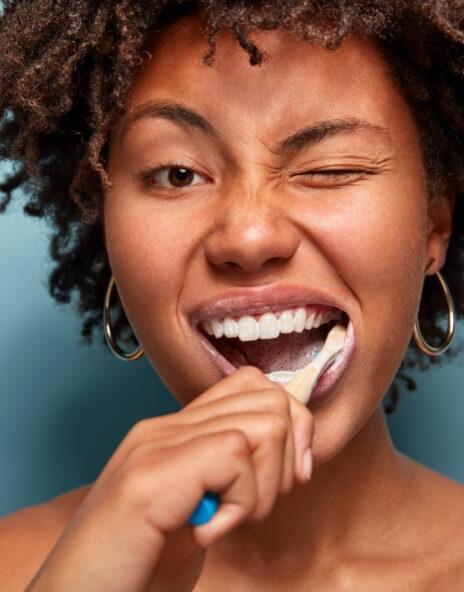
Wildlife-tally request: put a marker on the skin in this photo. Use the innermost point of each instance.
(257, 225)
(370, 518)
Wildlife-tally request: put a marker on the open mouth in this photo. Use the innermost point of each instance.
(278, 354)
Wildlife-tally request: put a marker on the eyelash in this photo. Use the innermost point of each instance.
(146, 176)
(335, 172)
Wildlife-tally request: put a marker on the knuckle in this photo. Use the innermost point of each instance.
(277, 427)
(149, 428)
(237, 444)
(251, 372)
(132, 485)
(134, 481)
(280, 401)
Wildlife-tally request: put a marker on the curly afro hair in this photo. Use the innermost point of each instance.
(66, 67)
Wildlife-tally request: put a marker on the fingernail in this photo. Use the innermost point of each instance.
(308, 464)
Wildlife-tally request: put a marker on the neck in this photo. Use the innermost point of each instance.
(350, 505)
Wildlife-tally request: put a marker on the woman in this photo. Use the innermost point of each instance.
(223, 161)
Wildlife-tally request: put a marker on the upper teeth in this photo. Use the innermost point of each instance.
(270, 324)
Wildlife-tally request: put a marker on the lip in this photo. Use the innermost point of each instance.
(331, 377)
(238, 302)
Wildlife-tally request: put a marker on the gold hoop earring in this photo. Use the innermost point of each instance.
(114, 347)
(419, 339)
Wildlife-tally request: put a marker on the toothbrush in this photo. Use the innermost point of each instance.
(300, 386)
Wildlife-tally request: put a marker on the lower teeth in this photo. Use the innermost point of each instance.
(281, 376)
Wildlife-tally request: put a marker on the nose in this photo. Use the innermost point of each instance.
(251, 234)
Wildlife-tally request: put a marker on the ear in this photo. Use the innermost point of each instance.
(440, 215)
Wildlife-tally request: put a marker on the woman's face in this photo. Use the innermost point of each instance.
(340, 210)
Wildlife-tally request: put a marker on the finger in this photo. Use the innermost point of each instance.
(245, 378)
(139, 433)
(224, 461)
(143, 429)
(162, 486)
(302, 423)
(266, 434)
(271, 400)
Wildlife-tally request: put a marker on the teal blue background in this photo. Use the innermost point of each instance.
(64, 407)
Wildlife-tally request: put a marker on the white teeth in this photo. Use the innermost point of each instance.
(317, 321)
(310, 320)
(281, 376)
(286, 322)
(268, 326)
(218, 329)
(230, 327)
(300, 319)
(248, 329)
(208, 327)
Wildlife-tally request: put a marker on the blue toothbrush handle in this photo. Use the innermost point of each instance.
(205, 509)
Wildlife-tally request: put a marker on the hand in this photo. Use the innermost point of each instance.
(244, 438)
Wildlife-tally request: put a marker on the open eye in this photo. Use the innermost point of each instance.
(172, 177)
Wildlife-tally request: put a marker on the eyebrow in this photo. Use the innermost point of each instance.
(308, 136)
(173, 112)
(297, 141)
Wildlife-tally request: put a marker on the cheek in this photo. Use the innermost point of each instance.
(377, 245)
(381, 244)
(148, 253)
(376, 241)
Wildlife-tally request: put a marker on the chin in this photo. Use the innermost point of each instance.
(339, 421)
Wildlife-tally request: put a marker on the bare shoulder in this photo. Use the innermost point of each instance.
(28, 535)
(434, 486)
(448, 498)
(440, 509)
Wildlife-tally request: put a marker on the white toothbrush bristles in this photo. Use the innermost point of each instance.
(301, 385)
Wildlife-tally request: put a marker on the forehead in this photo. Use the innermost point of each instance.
(296, 79)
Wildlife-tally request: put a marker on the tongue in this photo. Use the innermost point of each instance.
(287, 352)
